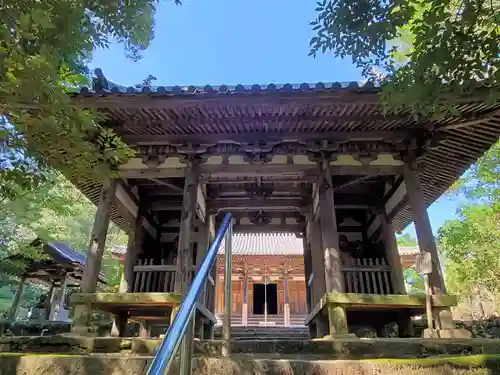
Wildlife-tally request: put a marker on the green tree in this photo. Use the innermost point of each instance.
(420, 50)
(471, 245)
(482, 181)
(56, 210)
(406, 240)
(44, 49)
(413, 281)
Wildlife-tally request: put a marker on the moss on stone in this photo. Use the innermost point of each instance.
(460, 361)
(389, 300)
(149, 299)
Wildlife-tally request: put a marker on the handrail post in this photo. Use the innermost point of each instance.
(186, 350)
(164, 356)
(226, 325)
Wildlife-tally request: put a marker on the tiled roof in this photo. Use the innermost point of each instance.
(59, 253)
(408, 250)
(209, 90)
(265, 244)
(118, 249)
(461, 136)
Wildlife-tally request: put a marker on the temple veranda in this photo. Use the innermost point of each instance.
(320, 161)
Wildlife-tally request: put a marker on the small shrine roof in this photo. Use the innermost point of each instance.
(60, 259)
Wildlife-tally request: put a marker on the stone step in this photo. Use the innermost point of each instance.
(265, 333)
(29, 364)
(347, 348)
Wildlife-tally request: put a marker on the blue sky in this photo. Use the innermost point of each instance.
(230, 42)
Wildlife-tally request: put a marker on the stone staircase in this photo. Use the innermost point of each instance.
(266, 333)
(62, 355)
(58, 355)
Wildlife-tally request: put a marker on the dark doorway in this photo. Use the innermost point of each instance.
(260, 293)
(272, 299)
(259, 298)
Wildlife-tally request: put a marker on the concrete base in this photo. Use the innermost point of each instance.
(455, 333)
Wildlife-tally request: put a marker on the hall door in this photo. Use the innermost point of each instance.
(297, 296)
(236, 297)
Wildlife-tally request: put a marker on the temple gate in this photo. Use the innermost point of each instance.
(320, 161)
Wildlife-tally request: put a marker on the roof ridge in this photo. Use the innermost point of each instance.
(114, 88)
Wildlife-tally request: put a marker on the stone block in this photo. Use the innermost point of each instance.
(337, 320)
(445, 320)
(456, 333)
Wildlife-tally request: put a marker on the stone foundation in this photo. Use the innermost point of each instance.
(245, 365)
(332, 349)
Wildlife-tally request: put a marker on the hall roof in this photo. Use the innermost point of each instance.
(266, 244)
(279, 244)
(191, 115)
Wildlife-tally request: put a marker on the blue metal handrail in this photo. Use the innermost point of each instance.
(166, 352)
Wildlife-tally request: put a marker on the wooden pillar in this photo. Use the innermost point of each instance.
(244, 307)
(98, 237)
(82, 313)
(393, 258)
(134, 244)
(423, 227)
(132, 253)
(213, 272)
(318, 267)
(333, 266)
(50, 302)
(184, 253)
(201, 250)
(307, 269)
(58, 301)
(14, 309)
(185, 259)
(286, 302)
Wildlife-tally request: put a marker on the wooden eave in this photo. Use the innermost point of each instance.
(344, 114)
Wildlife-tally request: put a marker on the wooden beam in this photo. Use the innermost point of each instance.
(149, 173)
(305, 171)
(399, 206)
(395, 186)
(275, 180)
(168, 184)
(173, 101)
(250, 137)
(130, 201)
(470, 122)
(251, 203)
(278, 228)
(350, 183)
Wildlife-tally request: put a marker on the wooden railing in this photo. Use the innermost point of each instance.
(150, 277)
(368, 276)
(159, 278)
